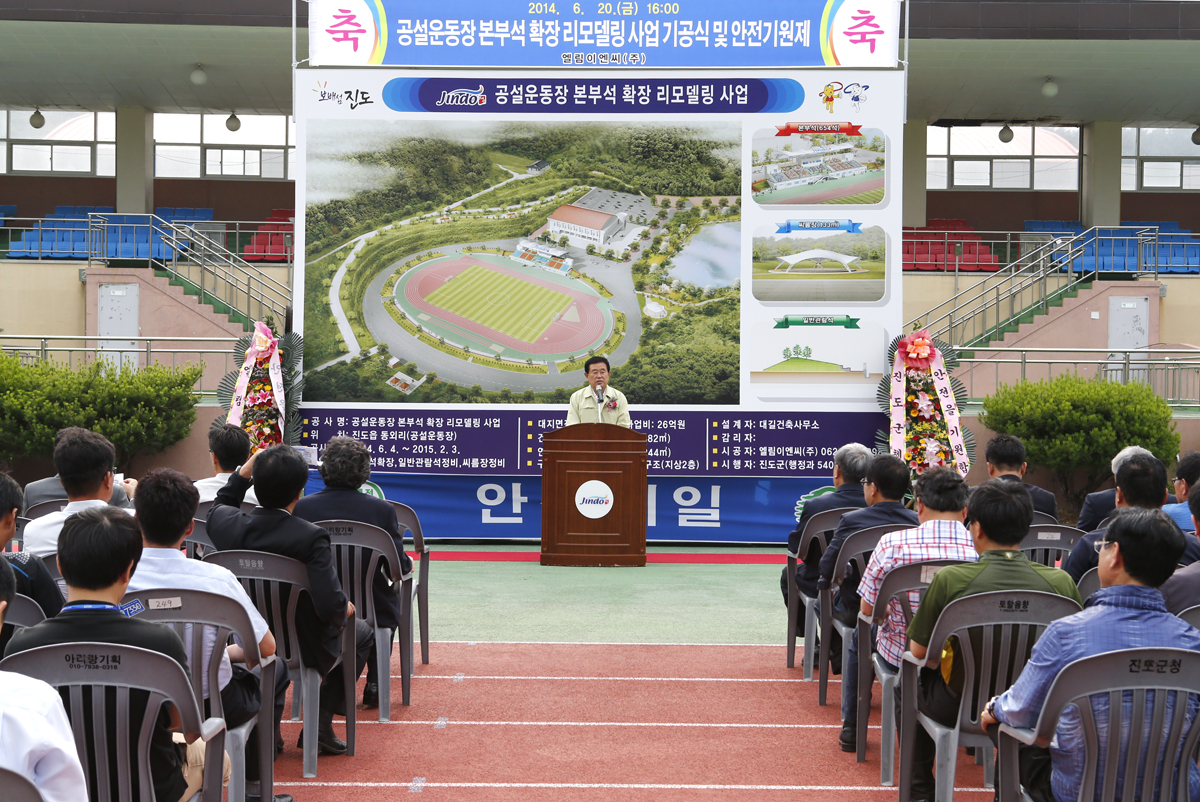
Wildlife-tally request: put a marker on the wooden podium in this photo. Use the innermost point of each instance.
(601, 468)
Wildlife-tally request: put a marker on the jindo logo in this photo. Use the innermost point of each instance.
(594, 499)
(463, 97)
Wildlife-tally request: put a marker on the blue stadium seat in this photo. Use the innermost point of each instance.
(104, 210)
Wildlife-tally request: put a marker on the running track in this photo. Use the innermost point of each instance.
(828, 195)
(560, 337)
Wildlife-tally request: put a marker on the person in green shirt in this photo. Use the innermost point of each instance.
(1000, 513)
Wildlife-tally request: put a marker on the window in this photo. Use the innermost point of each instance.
(201, 146)
(1159, 159)
(973, 157)
(77, 142)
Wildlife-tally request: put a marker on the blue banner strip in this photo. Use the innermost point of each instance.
(788, 226)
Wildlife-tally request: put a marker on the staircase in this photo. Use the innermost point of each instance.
(1056, 299)
(202, 297)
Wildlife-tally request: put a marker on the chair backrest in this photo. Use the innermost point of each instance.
(856, 549)
(407, 517)
(183, 610)
(275, 584)
(1140, 673)
(1043, 518)
(819, 528)
(17, 788)
(98, 702)
(357, 549)
(1049, 543)
(1191, 614)
(19, 536)
(1089, 583)
(996, 632)
(898, 583)
(23, 611)
(45, 508)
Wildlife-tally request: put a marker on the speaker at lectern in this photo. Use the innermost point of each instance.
(594, 496)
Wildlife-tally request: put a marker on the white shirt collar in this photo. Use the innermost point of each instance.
(76, 506)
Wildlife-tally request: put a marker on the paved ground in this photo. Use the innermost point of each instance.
(817, 290)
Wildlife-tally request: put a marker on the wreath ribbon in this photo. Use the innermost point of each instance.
(897, 424)
(262, 346)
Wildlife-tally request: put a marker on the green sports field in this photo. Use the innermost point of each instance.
(505, 304)
(873, 196)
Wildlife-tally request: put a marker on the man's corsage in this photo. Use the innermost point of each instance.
(611, 404)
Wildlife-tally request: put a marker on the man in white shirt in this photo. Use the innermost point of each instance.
(84, 461)
(598, 403)
(36, 740)
(229, 447)
(166, 506)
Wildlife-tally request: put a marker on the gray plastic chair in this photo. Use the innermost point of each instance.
(1089, 583)
(45, 508)
(125, 669)
(18, 789)
(1169, 742)
(274, 583)
(819, 528)
(19, 537)
(51, 563)
(856, 549)
(1014, 621)
(1191, 615)
(1043, 518)
(23, 611)
(407, 517)
(897, 584)
(1049, 543)
(357, 551)
(183, 609)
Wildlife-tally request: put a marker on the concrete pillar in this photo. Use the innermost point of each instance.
(135, 160)
(915, 139)
(1100, 179)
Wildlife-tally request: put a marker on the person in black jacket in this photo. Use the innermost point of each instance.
(345, 467)
(33, 580)
(1005, 457)
(1099, 506)
(279, 474)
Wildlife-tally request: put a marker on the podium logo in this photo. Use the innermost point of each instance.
(594, 499)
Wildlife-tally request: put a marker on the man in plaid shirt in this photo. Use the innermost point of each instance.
(941, 507)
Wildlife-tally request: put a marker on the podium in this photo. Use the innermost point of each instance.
(594, 496)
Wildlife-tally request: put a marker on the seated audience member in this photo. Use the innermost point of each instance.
(84, 461)
(941, 507)
(33, 580)
(1006, 461)
(1137, 555)
(36, 740)
(1000, 513)
(1141, 482)
(98, 550)
(229, 447)
(345, 467)
(51, 488)
(1187, 473)
(1101, 504)
(279, 473)
(165, 505)
(1182, 590)
(884, 488)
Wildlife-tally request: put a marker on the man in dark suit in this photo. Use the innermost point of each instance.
(1100, 505)
(884, 489)
(345, 467)
(1005, 457)
(279, 474)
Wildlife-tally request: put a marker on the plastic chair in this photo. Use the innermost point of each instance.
(45, 508)
(198, 543)
(126, 669)
(1043, 518)
(357, 551)
(407, 517)
(275, 584)
(23, 611)
(18, 789)
(51, 563)
(897, 584)
(855, 549)
(1049, 543)
(1169, 741)
(185, 611)
(818, 529)
(1089, 583)
(1013, 620)
(1191, 614)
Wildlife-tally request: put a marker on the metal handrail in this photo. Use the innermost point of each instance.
(1030, 282)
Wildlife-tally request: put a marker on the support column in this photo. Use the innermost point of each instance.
(915, 140)
(135, 160)
(1100, 182)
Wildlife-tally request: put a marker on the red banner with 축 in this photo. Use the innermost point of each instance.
(819, 128)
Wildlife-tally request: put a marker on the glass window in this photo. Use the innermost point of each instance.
(935, 173)
(106, 126)
(177, 161)
(255, 130)
(1129, 141)
(935, 143)
(273, 165)
(252, 162)
(1128, 175)
(1191, 175)
(106, 159)
(3, 124)
(291, 162)
(31, 157)
(291, 130)
(985, 141)
(1056, 142)
(972, 173)
(79, 126)
(1010, 174)
(1160, 174)
(182, 128)
(1167, 142)
(71, 158)
(1055, 173)
(3, 158)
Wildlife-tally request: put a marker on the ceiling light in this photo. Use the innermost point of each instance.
(1006, 134)
(36, 120)
(199, 76)
(1049, 89)
(233, 123)
(1196, 137)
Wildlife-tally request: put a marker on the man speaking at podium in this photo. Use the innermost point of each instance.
(598, 403)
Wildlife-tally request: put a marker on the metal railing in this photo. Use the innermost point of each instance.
(1035, 279)
(215, 354)
(1173, 373)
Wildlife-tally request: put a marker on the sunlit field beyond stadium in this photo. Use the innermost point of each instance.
(500, 302)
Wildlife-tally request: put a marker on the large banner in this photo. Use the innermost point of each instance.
(724, 237)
